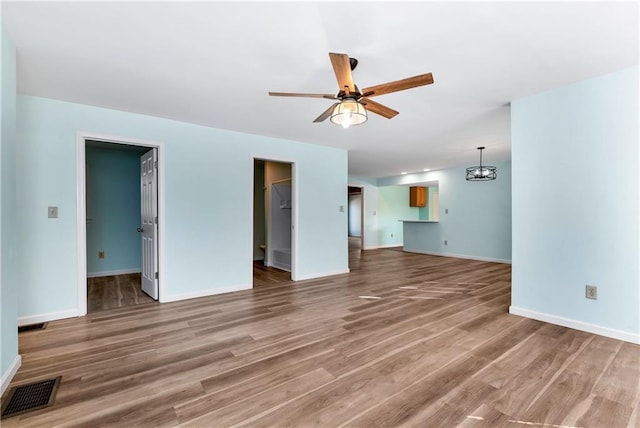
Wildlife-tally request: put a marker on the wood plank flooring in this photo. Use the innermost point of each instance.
(116, 291)
(404, 340)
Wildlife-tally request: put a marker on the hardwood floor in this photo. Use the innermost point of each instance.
(263, 275)
(404, 340)
(109, 292)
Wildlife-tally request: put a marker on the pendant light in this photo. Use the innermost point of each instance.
(481, 172)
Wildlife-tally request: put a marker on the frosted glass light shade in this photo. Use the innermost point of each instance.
(348, 113)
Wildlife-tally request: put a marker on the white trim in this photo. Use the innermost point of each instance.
(577, 325)
(323, 274)
(81, 233)
(7, 376)
(51, 316)
(294, 222)
(376, 247)
(81, 223)
(113, 272)
(206, 293)
(460, 256)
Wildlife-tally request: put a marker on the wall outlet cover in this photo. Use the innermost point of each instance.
(591, 292)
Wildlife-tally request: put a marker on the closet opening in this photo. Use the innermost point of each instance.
(120, 185)
(274, 207)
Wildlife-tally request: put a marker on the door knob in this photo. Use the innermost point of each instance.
(140, 229)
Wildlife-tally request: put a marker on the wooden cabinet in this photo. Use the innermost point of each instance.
(417, 196)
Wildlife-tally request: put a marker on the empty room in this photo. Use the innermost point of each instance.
(329, 214)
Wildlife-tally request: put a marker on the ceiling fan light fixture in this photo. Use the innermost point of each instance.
(349, 112)
(480, 172)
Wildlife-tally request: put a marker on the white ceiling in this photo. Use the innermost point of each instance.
(212, 63)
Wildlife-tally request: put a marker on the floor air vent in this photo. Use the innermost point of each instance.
(32, 396)
(38, 326)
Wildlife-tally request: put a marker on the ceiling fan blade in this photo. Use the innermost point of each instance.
(342, 69)
(295, 94)
(398, 85)
(378, 108)
(325, 114)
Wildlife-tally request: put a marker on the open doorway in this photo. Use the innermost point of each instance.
(273, 226)
(118, 222)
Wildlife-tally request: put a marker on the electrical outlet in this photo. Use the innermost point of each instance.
(52, 212)
(446, 210)
(392, 235)
(446, 242)
(591, 292)
(101, 254)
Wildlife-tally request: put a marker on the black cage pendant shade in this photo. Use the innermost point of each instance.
(481, 172)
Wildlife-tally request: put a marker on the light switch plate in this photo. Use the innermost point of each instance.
(52, 212)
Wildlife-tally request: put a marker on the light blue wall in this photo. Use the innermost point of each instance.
(393, 205)
(113, 207)
(8, 214)
(575, 202)
(208, 198)
(355, 215)
(478, 222)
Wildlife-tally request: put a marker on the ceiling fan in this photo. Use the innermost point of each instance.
(353, 104)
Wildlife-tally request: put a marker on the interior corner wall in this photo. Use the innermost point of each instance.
(354, 210)
(393, 205)
(576, 205)
(370, 210)
(208, 193)
(113, 211)
(9, 358)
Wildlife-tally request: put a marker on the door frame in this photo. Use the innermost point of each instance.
(81, 207)
(294, 211)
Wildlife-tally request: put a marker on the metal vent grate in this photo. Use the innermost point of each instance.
(32, 396)
(38, 326)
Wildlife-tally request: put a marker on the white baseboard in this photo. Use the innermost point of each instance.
(375, 247)
(204, 293)
(460, 256)
(321, 275)
(112, 272)
(51, 316)
(10, 373)
(577, 325)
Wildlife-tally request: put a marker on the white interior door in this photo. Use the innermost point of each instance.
(149, 221)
